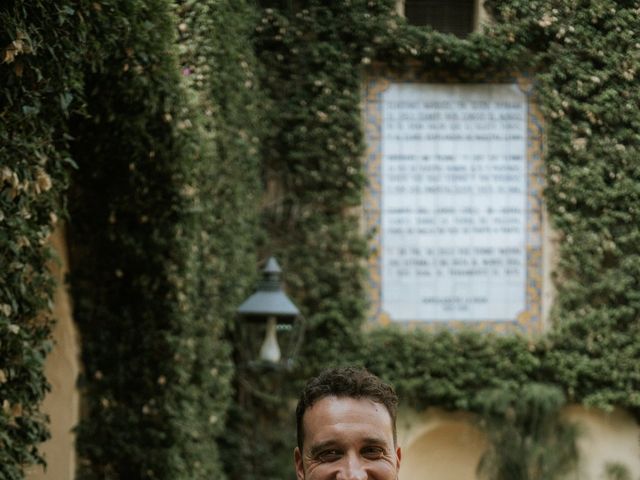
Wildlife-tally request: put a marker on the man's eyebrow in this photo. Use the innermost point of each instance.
(374, 441)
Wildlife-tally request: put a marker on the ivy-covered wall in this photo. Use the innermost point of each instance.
(145, 109)
(176, 114)
(39, 80)
(584, 58)
(163, 220)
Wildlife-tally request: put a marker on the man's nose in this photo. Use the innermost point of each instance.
(353, 469)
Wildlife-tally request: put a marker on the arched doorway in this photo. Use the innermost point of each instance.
(450, 450)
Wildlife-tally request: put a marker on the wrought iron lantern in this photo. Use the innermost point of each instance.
(267, 314)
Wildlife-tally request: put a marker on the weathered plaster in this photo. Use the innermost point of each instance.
(61, 368)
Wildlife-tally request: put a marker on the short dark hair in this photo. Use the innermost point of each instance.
(350, 382)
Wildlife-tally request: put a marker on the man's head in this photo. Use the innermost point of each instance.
(346, 427)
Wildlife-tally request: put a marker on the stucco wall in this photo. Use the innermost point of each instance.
(62, 368)
(606, 437)
(437, 445)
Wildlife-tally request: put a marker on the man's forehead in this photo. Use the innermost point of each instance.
(338, 411)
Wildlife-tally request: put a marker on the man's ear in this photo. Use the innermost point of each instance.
(297, 457)
(398, 457)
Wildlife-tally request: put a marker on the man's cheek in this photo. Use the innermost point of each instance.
(320, 471)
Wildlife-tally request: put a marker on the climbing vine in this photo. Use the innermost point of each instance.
(583, 56)
(163, 219)
(172, 117)
(40, 81)
(161, 223)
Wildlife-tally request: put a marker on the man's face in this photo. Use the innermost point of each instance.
(347, 439)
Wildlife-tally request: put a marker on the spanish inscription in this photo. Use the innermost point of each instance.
(453, 202)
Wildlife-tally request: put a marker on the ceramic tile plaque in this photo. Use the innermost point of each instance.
(454, 202)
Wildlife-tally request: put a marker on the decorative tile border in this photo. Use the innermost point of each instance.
(530, 320)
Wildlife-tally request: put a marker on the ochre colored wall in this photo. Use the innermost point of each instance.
(605, 437)
(62, 368)
(437, 445)
(450, 451)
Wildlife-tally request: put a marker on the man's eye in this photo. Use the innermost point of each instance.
(330, 455)
(373, 453)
